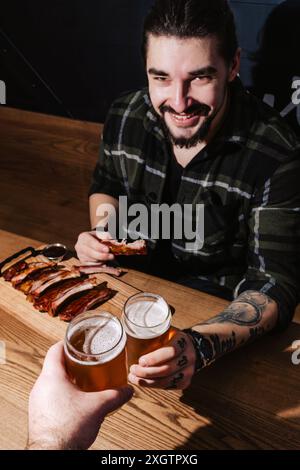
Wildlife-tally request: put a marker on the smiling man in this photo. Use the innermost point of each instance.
(196, 136)
(190, 92)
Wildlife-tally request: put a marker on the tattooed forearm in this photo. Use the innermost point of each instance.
(239, 313)
(246, 310)
(204, 348)
(223, 346)
(256, 332)
(209, 348)
(251, 315)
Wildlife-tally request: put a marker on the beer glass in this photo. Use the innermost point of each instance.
(95, 353)
(146, 318)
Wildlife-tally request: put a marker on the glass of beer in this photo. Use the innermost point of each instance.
(95, 351)
(147, 319)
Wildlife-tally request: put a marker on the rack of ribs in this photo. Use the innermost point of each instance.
(57, 289)
(37, 278)
(29, 270)
(67, 294)
(90, 299)
(14, 270)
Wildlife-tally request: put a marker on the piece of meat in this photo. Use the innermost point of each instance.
(37, 278)
(61, 275)
(137, 247)
(68, 294)
(99, 268)
(41, 279)
(13, 270)
(90, 299)
(43, 301)
(29, 270)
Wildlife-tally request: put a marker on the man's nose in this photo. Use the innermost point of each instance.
(179, 98)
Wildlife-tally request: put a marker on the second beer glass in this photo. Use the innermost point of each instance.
(147, 320)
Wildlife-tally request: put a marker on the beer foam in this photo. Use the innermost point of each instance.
(147, 319)
(103, 336)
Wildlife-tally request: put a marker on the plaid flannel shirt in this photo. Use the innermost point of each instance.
(247, 177)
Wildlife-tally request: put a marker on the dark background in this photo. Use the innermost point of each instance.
(73, 58)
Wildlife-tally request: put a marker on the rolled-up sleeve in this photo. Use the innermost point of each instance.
(274, 240)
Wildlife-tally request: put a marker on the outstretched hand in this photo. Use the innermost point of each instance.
(60, 415)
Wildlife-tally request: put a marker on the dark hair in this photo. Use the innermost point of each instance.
(193, 18)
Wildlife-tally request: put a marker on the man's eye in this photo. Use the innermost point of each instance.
(203, 78)
(160, 79)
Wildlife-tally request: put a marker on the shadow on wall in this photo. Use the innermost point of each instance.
(276, 73)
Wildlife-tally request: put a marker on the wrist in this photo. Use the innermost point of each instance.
(203, 349)
(48, 442)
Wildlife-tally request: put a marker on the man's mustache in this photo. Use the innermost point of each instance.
(197, 108)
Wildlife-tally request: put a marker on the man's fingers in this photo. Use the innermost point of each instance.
(89, 248)
(54, 363)
(95, 244)
(164, 370)
(180, 380)
(174, 348)
(86, 239)
(169, 367)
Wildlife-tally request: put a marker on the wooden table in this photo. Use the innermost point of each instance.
(247, 400)
(37, 151)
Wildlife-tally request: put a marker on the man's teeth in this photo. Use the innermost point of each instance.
(183, 116)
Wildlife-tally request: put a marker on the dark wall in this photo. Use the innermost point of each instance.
(269, 33)
(70, 57)
(74, 58)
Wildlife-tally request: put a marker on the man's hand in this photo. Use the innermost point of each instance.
(170, 367)
(89, 249)
(60, 415)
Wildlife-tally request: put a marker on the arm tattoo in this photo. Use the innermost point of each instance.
(246, 310)
(182, 361)
(208, 349)
(204, 348)
(182, 343)
(223, 346)
(256, 332)
(175, 381)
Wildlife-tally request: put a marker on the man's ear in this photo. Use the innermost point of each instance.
(235, 65)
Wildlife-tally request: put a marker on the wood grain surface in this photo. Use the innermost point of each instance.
(247, 400)
(46, 167)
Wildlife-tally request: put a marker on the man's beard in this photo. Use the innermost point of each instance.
(201, 133)
(189, 142)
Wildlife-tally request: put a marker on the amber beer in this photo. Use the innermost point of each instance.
(95, 352)
(146, 319)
